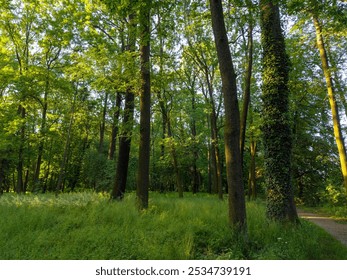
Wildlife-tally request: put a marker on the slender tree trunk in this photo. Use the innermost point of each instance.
(252, 191)
(179, 184)
(276, 124)
(115, 126)
(247, 92)
(335, 77)
(161, 91)
(145, 109)
(20, 163)
(216, 155)
(237, 207)
(103, 125)
(252, 183)
(64, 161)
(214, 152)
(42, 135)
(195, 174)
(332, 100)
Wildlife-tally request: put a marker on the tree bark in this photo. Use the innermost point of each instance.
(276, 125)
(120, 180)
(145, 109)
(247, 92)
(332, 100)
(237, 208)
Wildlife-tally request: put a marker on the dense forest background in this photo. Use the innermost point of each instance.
(70, 81)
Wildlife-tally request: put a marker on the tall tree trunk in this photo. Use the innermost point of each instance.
(276, 124)
(237, 207)
(42, 135)
(145, 109)
(120, 180)
(332, 100)
(247, 92)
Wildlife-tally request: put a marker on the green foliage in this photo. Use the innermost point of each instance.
(88, 226)
(334, 196)
(66, 55)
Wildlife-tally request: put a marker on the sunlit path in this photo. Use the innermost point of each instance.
(339, 231)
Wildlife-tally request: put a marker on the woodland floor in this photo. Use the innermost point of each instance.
(330, 225)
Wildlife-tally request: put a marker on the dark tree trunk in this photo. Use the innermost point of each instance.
(124, 148)
(276, 126)
(237, 207)
(120, 180)
(145, 109)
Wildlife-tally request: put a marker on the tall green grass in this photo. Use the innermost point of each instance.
(89, 226)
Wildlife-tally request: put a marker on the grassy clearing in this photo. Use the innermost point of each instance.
(88, 226)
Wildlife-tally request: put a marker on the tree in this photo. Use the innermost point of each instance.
(145, 108)
(276, 120)
(332, 99)
(120, 180)
(237, 208)
(248, 78)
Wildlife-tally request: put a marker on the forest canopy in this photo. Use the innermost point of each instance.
(73, 75)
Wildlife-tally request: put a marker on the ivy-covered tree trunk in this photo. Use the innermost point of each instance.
(145, 108)
(276, 122)
(237, 207)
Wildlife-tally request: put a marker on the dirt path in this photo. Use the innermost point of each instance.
(339, 231)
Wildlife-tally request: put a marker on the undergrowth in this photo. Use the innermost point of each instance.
(89, 226)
